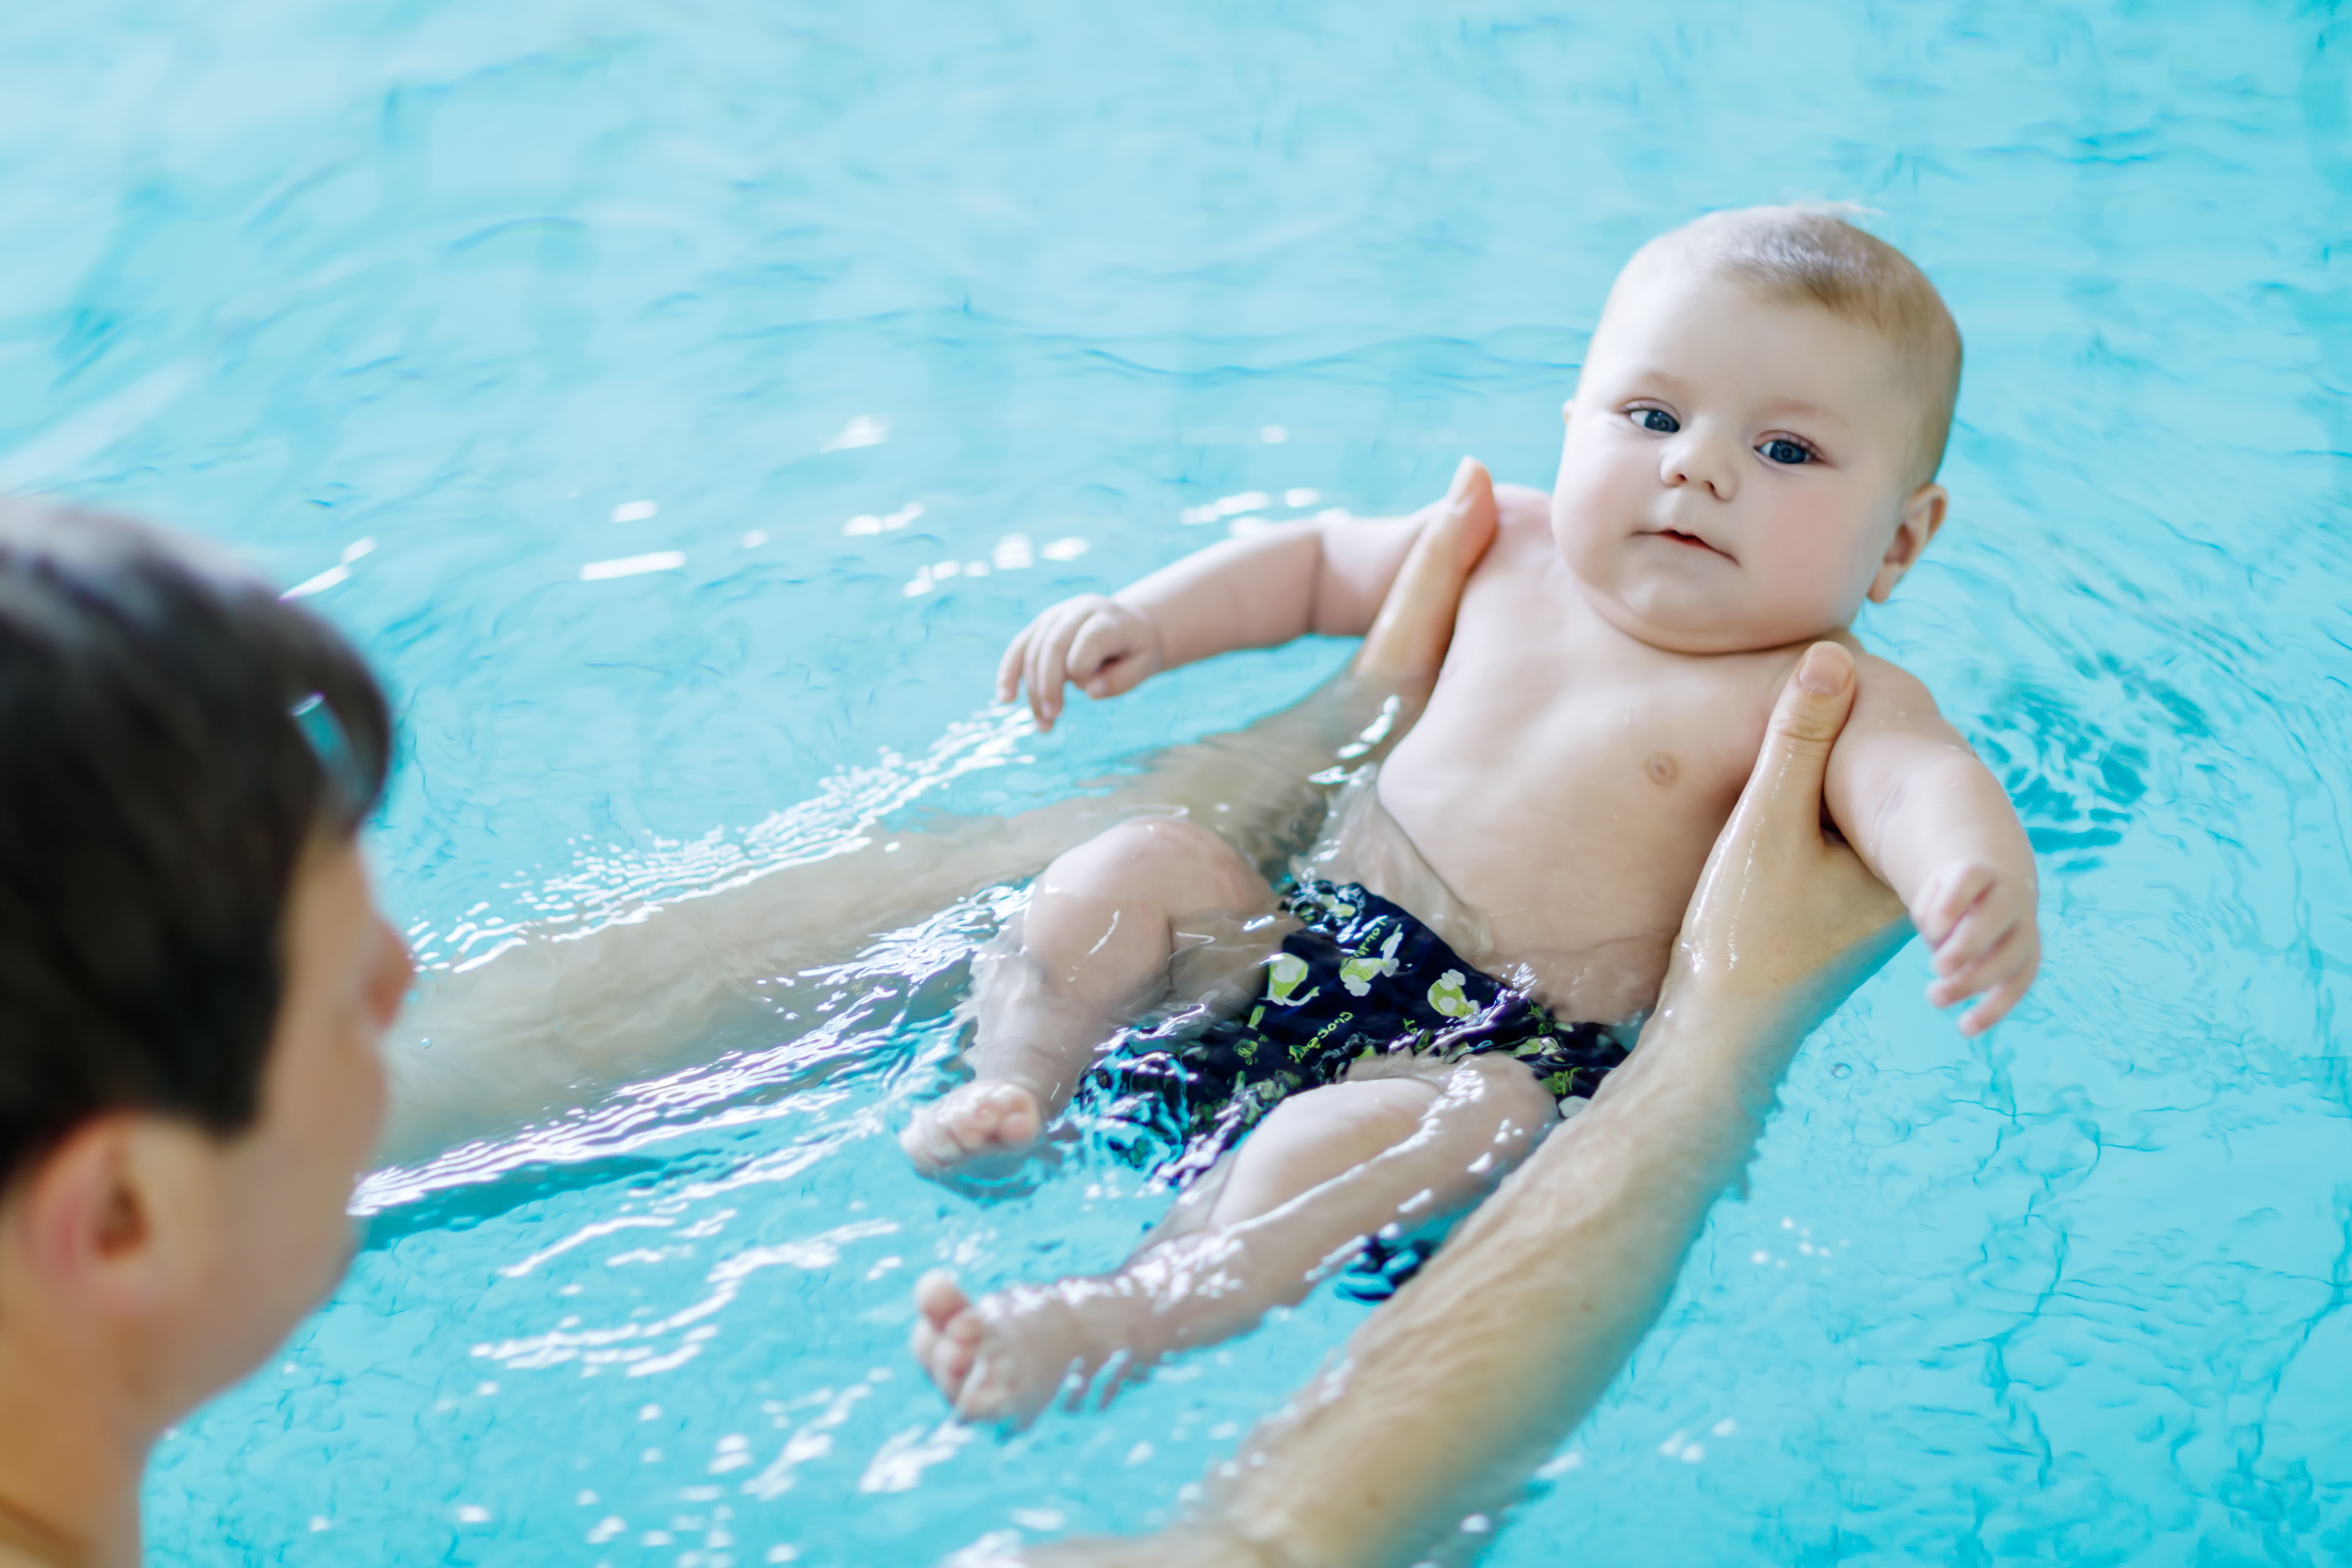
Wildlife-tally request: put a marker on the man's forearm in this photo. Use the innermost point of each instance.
(1510, 1337)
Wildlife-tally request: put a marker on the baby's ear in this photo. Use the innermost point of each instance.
(1921, 517)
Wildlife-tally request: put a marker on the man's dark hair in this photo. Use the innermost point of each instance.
(172, 736)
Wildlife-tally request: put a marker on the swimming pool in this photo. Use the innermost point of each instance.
(789, 309)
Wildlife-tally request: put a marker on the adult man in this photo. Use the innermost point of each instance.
(193, 979)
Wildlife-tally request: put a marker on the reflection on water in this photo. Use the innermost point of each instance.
(682, 376)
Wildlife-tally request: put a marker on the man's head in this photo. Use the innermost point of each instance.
(193, 973)
(1753, 443)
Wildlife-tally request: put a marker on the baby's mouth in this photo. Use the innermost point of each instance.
(1675, 536)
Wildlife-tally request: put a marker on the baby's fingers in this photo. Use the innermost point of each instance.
(1010, 668)
(1948, 901)
(1995, 1007)
(1049, 656)
(1979, 932)
(1980, 973)
(1106, 658)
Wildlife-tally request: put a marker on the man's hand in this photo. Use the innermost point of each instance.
(1979, 920)
(1095, 643)
(1785, 913)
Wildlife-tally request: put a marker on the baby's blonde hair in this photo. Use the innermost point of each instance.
(1810, 255)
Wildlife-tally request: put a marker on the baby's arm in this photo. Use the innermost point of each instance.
(1323, 577)
(1936, 827)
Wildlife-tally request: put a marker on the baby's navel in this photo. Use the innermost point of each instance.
(1661, 769)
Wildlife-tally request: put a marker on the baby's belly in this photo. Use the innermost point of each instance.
(1579, 910)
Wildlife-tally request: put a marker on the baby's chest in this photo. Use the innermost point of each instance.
(1662, 746)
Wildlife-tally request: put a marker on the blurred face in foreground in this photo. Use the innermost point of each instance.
(277, 1195)
(169, 1262)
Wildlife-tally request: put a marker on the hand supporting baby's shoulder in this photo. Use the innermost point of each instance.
(1933, 823)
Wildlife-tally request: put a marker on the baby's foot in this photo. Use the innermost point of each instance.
(1408, 641)
(1005, 1357)
(975, 1129)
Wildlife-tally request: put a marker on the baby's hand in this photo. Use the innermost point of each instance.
(1979, 920)
(1095, 643)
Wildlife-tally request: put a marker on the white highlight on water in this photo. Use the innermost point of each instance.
(863, 431)
(633, 565)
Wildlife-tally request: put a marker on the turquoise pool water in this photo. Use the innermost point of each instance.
(429, 307)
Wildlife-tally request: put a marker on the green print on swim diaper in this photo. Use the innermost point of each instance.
(1446, 996)
(1283, 975)
(1358, 973)
(1332, 905)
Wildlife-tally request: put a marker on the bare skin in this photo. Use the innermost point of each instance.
(1449, 1395)
(1740, 475)
(1092, 954)
(146, 1263)
(1404, 1142)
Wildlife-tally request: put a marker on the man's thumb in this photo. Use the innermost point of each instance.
(1814, 704)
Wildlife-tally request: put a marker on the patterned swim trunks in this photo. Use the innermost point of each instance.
(1362, 977)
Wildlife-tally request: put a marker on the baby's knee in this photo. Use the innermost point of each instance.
(1171, 854)
(1360, 1120)
(1498, 1097)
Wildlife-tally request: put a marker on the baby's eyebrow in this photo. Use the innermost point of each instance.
(1798, 406)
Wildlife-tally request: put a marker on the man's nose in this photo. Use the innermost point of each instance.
(1697, 458)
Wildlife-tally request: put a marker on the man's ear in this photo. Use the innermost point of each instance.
(1917, 523)
(108, 1215)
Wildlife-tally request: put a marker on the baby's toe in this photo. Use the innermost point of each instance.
(939, 1298)
(926, 1140)
(1017, 1121)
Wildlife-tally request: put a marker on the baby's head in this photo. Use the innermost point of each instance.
(1753, 443)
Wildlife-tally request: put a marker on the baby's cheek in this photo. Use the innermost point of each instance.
(1815, 567)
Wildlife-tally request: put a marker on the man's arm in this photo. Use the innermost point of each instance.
(1453, 1393)
(558, 1015)
(1935, 824)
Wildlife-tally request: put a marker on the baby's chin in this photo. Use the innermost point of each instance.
(1680, 618)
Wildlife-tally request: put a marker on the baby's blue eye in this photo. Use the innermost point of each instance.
(1657, 421)
(1781, 449)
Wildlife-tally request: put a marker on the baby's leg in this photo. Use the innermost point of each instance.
(1095, 947)
(1325, 1169)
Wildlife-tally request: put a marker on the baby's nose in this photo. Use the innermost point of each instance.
(1699, 463)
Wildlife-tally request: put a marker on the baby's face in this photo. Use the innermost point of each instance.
(1734, 473)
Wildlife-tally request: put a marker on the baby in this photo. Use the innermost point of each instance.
(1750, 454)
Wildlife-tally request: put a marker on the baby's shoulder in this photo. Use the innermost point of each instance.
(1523, 509)
(1885, 685)
(1890, 703)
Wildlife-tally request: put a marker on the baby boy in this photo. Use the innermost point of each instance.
(1750, 454)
